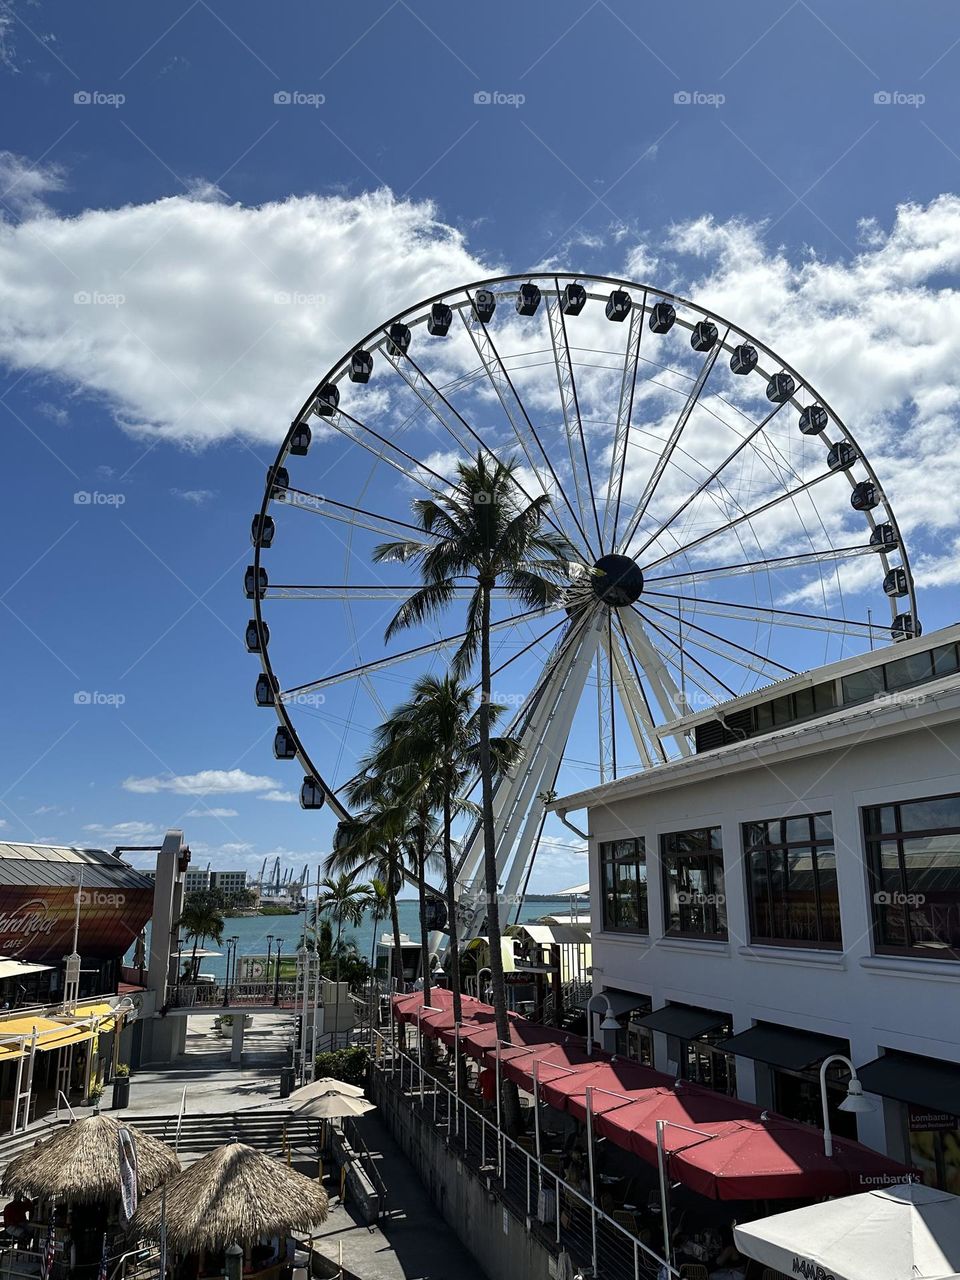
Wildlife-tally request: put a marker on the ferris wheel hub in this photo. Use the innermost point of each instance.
(617, 581)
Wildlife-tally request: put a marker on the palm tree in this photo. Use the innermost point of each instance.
(369, 844)
(379, 907)
(201, 919)
(437, 737)
(344, 899)
(485, 532)
(406, 799)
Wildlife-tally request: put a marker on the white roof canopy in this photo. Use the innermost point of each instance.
(909, 1232)
(10, 968)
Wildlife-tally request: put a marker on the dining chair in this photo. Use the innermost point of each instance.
(694, 1271)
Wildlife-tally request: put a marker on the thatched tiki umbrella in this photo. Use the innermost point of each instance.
(234, 1195)
(81, 1164)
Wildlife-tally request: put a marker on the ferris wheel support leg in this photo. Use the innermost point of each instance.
(544, 766)
(631, 701)
(544, 740)
(661, 681)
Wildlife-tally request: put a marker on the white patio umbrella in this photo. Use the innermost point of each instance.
(907, 1232)
(334, 1106)
(325, 1085)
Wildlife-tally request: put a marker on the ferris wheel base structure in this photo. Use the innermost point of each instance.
(720, 516)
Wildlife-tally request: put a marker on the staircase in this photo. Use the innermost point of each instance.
(272, 1132)
(268, 1131)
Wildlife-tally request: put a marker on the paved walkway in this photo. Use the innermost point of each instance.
(213, 1083)
(412, 1242)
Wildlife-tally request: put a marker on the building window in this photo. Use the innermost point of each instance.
(623, 878)
(792, 881)
(695, 904)
(913, 852)
(704, 1062)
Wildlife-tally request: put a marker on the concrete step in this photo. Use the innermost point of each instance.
(267, 1131)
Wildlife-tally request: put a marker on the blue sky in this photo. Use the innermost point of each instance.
(793, 164)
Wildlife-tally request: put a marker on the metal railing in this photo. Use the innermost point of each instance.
(210, 995)
(366, 1161)
(563, 1216)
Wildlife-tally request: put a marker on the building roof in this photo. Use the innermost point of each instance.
(929, 703)
(42, 865)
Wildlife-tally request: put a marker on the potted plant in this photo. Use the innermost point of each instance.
(121, 1086)
(94, 1096)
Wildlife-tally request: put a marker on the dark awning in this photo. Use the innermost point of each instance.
(909, 1078)
(785, 1047)
(682, 1020)
(622, 1002)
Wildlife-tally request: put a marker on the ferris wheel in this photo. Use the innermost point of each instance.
(727, 532)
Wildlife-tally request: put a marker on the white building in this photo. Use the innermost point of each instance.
(230, 883)
(791, 889)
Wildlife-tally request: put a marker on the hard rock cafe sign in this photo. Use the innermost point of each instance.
(24, 924)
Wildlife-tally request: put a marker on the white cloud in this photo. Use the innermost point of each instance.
(206, 782)
(121, 831)
(281, 797)
(211, 813)
(25, 187)
(196, 497)
(193, 325)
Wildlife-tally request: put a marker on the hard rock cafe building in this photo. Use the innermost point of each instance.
(59, 1031)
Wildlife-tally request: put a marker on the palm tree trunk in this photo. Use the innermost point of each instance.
(511, 1098)
(422, 892)
(193, 959)
(397, 948)
(452, 932)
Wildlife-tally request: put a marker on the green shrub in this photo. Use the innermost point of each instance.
(122, 1071)
(344, 1064)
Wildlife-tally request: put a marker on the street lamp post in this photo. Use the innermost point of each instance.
(854, 1101)
(609, 1022)
(276, 980)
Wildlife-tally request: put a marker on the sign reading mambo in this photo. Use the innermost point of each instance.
(810, 1270)
(39, 925)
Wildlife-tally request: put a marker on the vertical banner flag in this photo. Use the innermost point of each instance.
(129, 1191)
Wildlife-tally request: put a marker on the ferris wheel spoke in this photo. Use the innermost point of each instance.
(570, 405)
(380, 452)
(784, 617)
(738, 520)
(320, 505)
(654, 665)
(686, 657)
(370, 591)
(382, 664)
(673, 440)
(773, 564)
(436, 397)
(762, 659)
(734, 453)
(618, 455)
(527, 647)
(516, 414)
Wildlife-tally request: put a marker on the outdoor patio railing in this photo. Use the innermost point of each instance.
(561, 1215)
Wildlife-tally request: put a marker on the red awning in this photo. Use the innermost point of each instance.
(609, 1080)
(481, 1042)
(777, 1159)
(552, 1060)
(633, 1125)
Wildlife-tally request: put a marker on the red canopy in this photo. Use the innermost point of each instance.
(406, 1008)
(552, 1060)
(615, 1077)
(633, 1125)
(777, 1159)
(481, 1041)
